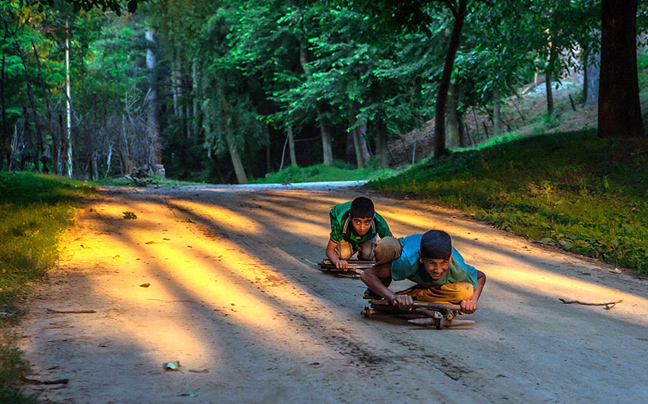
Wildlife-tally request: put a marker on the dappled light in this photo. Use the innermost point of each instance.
(226, 283)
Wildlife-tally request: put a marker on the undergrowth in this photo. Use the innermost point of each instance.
(584, 194)
(34, 212)
(321, 172)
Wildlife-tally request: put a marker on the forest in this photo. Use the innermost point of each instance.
(225, 91)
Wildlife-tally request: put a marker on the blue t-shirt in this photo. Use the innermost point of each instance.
(408, 266)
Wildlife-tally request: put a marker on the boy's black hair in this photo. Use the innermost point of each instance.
(436, 244)
(362, 207)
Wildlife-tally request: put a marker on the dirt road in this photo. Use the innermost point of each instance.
(234, 295)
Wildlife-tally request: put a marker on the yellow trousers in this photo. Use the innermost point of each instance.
(452, 293)
(346, 250)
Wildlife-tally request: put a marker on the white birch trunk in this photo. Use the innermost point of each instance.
(68, 127)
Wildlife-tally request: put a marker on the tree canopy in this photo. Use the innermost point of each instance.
(216, 90)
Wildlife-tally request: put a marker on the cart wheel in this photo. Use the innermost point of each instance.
(366, 312)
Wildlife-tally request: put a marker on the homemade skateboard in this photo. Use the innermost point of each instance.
(425, 314)
(356, 267)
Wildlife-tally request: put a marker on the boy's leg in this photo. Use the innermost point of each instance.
(344, 250)
(366, 250)
(450, 293)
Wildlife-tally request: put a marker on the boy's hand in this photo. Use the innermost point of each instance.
(468, 306)
(403, 301)
(342, 264)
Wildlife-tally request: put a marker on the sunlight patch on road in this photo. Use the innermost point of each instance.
(539, 281)
(224, 217)
(218, 274)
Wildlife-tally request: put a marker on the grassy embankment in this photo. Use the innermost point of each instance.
(321, 172)
(34, 211)
(574, 190)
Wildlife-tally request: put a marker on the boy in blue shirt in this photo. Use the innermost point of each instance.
(440, 272)
(354, 227)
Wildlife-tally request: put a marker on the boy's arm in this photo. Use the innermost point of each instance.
(333, 256)
(373, 278)
(470, 306)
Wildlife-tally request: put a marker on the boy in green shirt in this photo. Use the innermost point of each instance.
(440, 272)
(354, 227)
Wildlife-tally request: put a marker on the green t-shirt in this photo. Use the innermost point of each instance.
(408, 266)
(342, 228)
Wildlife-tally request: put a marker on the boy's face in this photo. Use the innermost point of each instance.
(361, 225)
(435, 267)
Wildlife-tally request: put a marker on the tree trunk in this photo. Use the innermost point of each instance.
(5, 143)
(50, 115)
(619, 112)
(231, 144)
(591, 71)
(364, 146)
(155, 150)
(464, 136)
(452, 121)
(268, 160)
(497, 113)
(591, 81)
(196, 100)
(327, 148)
(444, 85)
(291, 147)
(549, 90)
(548, 77)
(68, 142)
(32, 103)
(356, 147)
(382, 157)
(28, 152)
(175, 85)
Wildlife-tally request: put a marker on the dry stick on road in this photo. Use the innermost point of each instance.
(607, 305)
(35, 381)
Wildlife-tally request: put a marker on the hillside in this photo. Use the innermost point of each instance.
(522, 115)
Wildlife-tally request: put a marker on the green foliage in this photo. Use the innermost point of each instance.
(12, 365)
(584, 194)
(337, 172)
(34, 212)
(128, 215)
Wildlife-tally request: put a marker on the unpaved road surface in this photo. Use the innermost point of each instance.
(234, 294)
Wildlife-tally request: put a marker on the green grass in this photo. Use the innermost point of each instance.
(154, 181)
(321, 172)
(35, 210)
(584, 194)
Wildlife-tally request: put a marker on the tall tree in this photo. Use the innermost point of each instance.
(155, 150)
(619, 112)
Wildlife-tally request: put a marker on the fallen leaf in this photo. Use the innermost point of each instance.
(173, 365)
(150, 242)
(116, 257)
(145, 285)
